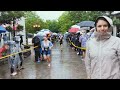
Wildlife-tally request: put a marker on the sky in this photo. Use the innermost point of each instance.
(53, 15)
(49, 15)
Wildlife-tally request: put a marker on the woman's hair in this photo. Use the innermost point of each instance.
(102, 18)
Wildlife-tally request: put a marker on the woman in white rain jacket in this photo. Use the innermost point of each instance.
(102, 59)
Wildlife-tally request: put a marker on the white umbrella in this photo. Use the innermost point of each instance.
(54, 33)
(40, 34)
(43, 32)
(75, 26)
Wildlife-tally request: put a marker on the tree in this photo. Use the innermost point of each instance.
(64, 22)
(69, 18)
(8, 16)
(33, 19)
(52, 25)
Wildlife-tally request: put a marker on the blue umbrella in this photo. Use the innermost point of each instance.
(2, 29)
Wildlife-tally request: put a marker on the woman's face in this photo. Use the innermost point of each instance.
(102, 26)
(45, 38)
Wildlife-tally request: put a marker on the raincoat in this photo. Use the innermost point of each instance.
(102, 59)
(14, 59)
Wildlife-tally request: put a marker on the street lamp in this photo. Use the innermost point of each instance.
(36, 26)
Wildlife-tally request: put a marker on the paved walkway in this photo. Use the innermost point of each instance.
(65, 64)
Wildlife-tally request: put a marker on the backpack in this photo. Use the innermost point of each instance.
(36, 41)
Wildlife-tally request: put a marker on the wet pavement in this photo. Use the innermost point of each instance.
(65, 64)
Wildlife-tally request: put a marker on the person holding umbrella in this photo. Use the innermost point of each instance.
(36, 42)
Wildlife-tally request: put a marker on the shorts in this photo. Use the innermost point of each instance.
(41, 50)
(47, 52)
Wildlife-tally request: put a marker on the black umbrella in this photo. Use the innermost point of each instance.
(19, 35)
(86, 24)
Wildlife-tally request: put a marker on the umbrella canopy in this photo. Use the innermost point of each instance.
(86, 24)
(73, 30)
(75, 26)
(43, 32)
(85, 28)
(19, 35)
(2, 29)
(54, 33)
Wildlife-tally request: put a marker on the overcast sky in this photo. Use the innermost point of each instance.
(53, 15)
(49, 15)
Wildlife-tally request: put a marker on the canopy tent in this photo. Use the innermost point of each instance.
(2, 29)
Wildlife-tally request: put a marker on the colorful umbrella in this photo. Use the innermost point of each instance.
(73, 30)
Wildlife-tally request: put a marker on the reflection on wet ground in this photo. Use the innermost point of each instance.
(65, 64)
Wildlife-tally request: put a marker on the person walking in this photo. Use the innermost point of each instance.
(61, 42)
(102, 59)
(46, 47)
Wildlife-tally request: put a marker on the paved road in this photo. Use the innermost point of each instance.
(65, 64)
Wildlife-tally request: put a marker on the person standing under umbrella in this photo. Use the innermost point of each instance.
(83, 39)
(61, 41)
(36, 42)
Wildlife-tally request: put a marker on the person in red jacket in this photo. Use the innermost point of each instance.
(3, 49)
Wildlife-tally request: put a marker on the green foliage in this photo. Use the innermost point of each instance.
(19, 27)
(116, 21)
(33, 19)
(9, 28)
(8, 16)
(64, 22)
(52, 25)
(70, 18)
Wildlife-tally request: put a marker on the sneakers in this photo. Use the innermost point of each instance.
(77, 53)
(38, 61)
(21, 68)
(14, 73)
(49, 65)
